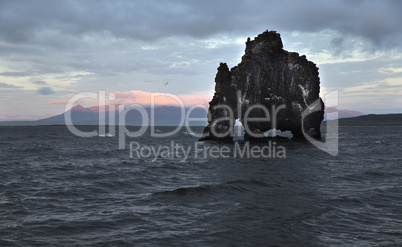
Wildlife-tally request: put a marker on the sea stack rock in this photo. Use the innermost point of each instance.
(270, 88)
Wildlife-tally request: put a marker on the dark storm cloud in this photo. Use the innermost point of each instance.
(21, 21)
(45, 91)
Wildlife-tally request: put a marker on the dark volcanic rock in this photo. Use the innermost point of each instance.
(283, 83)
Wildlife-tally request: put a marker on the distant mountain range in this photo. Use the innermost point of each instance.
(373, 119)
(171, 115)
(342, 113)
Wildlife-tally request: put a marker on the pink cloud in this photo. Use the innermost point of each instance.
(144, 98)
(58, 102)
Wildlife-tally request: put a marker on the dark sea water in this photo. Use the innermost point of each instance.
(57, 189)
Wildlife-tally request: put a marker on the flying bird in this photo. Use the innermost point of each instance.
(166, 83)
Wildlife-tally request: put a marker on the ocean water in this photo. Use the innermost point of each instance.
(57, 189)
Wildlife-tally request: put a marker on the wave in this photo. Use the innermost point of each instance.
(230, 186)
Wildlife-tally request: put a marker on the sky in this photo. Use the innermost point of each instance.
(53, 50)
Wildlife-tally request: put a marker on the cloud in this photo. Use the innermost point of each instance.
(40, 82)
(45, 91)
(378, 21)
(144, 98)
(58, 102)
(5, 85)
(107, 40)
(17, 73)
